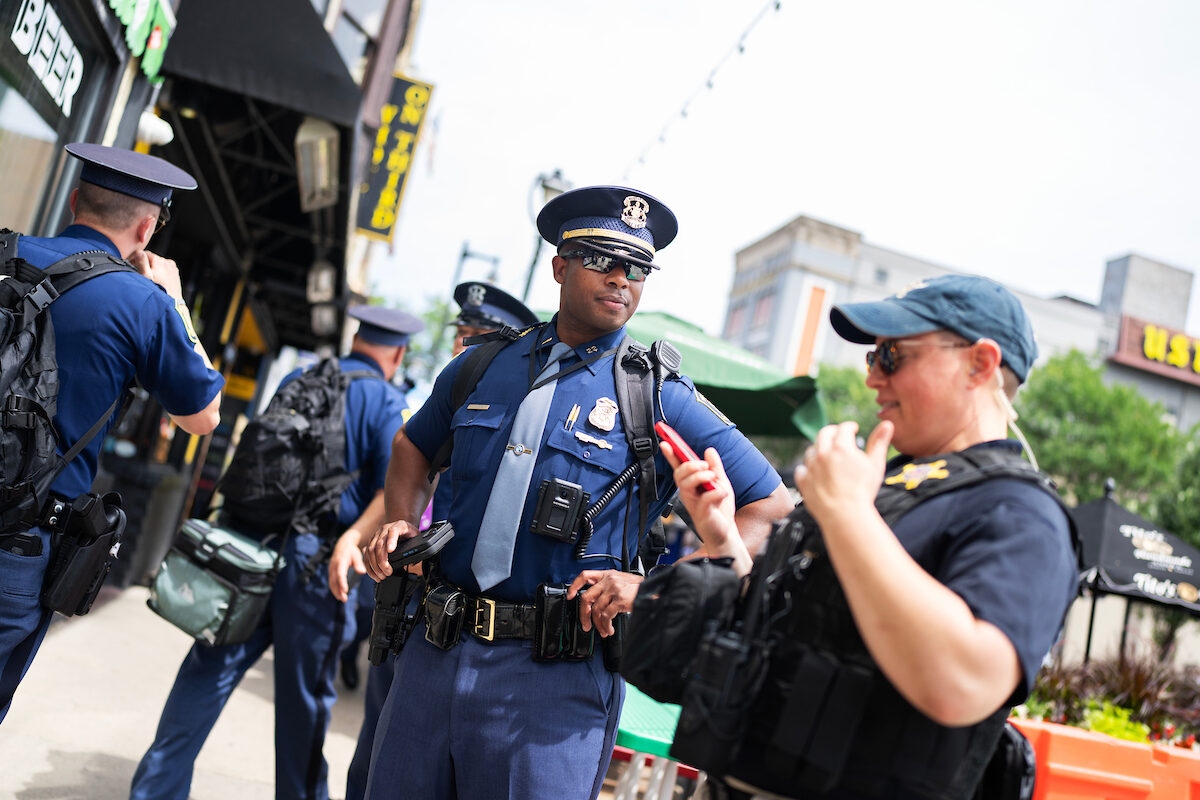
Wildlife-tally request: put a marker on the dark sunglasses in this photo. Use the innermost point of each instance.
(598, 262)
(889, 356)
(164, 215)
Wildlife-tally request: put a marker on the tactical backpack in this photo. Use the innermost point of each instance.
(288, 471)
(29, 381)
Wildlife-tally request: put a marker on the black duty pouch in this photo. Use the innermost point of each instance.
(557, 633)
(84, 548)
(444, 607)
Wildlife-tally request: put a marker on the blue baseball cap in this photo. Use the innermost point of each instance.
(129, 172)
(385, 326)
(973, 307)
(485, 306)
(613, 220)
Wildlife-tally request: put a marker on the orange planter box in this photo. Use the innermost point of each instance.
(1074, 764)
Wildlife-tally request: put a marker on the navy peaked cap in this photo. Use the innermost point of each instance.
(615, 217)
(973, 307)
(129, 172)
(386, 326)
(485, 306)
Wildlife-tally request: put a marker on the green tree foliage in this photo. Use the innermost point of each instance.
(845, 396)
(1176, 506)
(1084, 431)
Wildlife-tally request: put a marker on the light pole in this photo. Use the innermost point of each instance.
(466, 253)
(552, 186)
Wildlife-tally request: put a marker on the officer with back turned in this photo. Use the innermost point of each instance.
(499, 707)
(110, 331)
(482, 308)
(304, 624)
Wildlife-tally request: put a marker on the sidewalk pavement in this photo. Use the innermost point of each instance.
(88, 708)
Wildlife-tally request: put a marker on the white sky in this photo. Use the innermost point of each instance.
(1027, 140)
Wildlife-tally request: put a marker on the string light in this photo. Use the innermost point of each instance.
(738, 49)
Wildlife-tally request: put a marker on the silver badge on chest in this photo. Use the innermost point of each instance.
(604, 415)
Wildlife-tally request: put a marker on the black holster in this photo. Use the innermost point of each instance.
(86, 535)
(391, 624)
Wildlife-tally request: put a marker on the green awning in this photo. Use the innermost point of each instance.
(761, 398)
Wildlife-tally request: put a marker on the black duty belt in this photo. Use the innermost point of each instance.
(489, 619)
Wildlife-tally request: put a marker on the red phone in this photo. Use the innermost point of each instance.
(685, 453)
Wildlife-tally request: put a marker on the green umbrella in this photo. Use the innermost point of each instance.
(761, 398)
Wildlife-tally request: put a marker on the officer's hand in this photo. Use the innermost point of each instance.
(382, 544)
(711, 510)
(162, 271)
(346, 556)
(604, 594)
(836, 476)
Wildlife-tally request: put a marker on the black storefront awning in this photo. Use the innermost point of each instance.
(271, 50)
(1129, 555)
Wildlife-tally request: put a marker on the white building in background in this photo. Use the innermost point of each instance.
(785, 283)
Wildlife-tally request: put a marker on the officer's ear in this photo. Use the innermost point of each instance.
(984, 361)
(560, 269)
(145, 229)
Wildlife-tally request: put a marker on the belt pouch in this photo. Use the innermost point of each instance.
(550, 612)
(611, 646)
(84, 556)
(444, 606)
(578, 644)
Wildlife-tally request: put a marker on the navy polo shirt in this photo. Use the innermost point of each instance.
(374, 412)
(1004, 547)
(481, 428)
(109, 332)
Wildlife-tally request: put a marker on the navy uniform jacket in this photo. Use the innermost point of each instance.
(481, 428)
(374, 411)
(110, 331)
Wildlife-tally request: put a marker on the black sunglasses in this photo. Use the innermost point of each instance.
(598, 262)
(889, 356)
(164, 215)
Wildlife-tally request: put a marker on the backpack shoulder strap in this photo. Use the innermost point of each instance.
(69, 272)
(634, 385)
(8, 244)
(476, 360)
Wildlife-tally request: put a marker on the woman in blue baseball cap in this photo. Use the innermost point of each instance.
(936, 581)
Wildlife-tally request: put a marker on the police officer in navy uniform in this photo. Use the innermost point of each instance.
(482, 308)
(110, 331)
(305, 624)
(958, 602)
(482, 719)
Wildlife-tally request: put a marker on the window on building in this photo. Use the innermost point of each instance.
(881, 276)
(762, 310)
(27, 148)
(735, 321)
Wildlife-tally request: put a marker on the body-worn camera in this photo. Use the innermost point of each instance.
(560, 506)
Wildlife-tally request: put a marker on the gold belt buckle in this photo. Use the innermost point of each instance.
(486, 606)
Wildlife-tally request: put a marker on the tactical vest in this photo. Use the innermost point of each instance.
(825, 716)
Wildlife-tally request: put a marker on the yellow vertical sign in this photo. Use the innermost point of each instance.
(382, 187)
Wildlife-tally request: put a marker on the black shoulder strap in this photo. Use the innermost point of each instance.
(634, 384)
(477, 358)
(940, 474)
(73, 270)
(8, 244)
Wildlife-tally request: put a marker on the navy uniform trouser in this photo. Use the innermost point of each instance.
(23, 621)
(484, 721)
(379, 682)
(308, 627)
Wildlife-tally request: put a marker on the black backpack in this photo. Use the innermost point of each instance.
(29, 460)
(288, 471)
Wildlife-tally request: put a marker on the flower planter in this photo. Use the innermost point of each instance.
(1073, 764)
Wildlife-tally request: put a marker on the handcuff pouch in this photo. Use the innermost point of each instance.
(558, 634)
(444, 607)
